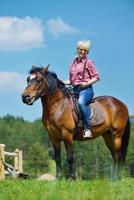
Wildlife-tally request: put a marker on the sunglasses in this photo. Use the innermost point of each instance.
(85, 51)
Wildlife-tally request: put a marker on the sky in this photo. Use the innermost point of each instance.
(46, 32)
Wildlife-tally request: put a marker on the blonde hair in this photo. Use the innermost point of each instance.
(86, 44)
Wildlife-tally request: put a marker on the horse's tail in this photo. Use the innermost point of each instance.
(125, 141)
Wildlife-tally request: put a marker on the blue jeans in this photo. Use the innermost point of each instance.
(85, 96)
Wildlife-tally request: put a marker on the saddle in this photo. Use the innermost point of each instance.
(97, 113)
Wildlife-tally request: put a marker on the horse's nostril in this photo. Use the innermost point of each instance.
(25, 98)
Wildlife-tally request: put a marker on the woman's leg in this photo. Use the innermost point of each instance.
(85, 97)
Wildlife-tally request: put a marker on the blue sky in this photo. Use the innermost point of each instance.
(46, 32)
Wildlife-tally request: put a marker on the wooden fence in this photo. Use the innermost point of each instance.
(6, 168)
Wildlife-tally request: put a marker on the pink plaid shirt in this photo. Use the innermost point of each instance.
(76, 71)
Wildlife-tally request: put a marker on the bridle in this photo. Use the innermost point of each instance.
(52, 92)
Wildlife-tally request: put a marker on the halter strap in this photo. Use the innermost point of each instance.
(57, 90)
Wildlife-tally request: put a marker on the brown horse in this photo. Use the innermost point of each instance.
(59, 121)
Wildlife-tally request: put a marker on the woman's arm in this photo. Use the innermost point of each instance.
(90, 82)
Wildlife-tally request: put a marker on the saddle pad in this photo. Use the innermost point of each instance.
(98, 114)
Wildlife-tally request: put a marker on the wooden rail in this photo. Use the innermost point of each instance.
(17, 164)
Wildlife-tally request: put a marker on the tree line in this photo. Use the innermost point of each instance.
(92, 158)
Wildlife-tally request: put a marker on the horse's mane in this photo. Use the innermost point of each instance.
(54, 83)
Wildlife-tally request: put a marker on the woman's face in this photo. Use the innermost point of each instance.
(82, 52)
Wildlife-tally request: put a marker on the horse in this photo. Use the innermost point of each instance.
(58, 119)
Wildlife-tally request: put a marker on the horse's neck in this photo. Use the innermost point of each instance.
(51, 100)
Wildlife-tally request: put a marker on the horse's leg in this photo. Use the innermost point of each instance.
(121, 140)
(117, 154)
(57, 153)
(109, 142)
(70, 160)
(69, 150)
(113, 142)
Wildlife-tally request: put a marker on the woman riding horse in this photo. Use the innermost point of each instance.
(58, 119)
(83, 75)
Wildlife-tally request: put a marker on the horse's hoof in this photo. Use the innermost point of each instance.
(72, 178)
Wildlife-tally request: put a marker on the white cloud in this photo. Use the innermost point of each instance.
(12, 82)
(20, 33)
(58, 26)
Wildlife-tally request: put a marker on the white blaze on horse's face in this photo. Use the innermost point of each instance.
(32, 76)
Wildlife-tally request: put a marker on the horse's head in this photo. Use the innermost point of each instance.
(36, 85)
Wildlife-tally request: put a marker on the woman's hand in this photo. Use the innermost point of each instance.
(67, 82)
(84, 84)
(90, 82)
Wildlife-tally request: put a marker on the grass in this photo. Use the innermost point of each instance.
(96, 189)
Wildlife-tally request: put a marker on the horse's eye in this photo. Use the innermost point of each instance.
(38, 81)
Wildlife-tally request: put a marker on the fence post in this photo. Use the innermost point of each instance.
(20, 158)
(18, 161)
(2, 159)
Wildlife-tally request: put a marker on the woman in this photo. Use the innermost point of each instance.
(83, 75)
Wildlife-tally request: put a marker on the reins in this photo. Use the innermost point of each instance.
(58, 90)
(67, 87)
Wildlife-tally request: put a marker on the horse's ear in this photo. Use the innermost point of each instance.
(45, 69)
(33, 66)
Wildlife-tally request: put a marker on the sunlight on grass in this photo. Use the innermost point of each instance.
(97, 189)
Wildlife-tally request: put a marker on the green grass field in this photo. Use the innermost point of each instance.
(96, 189)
